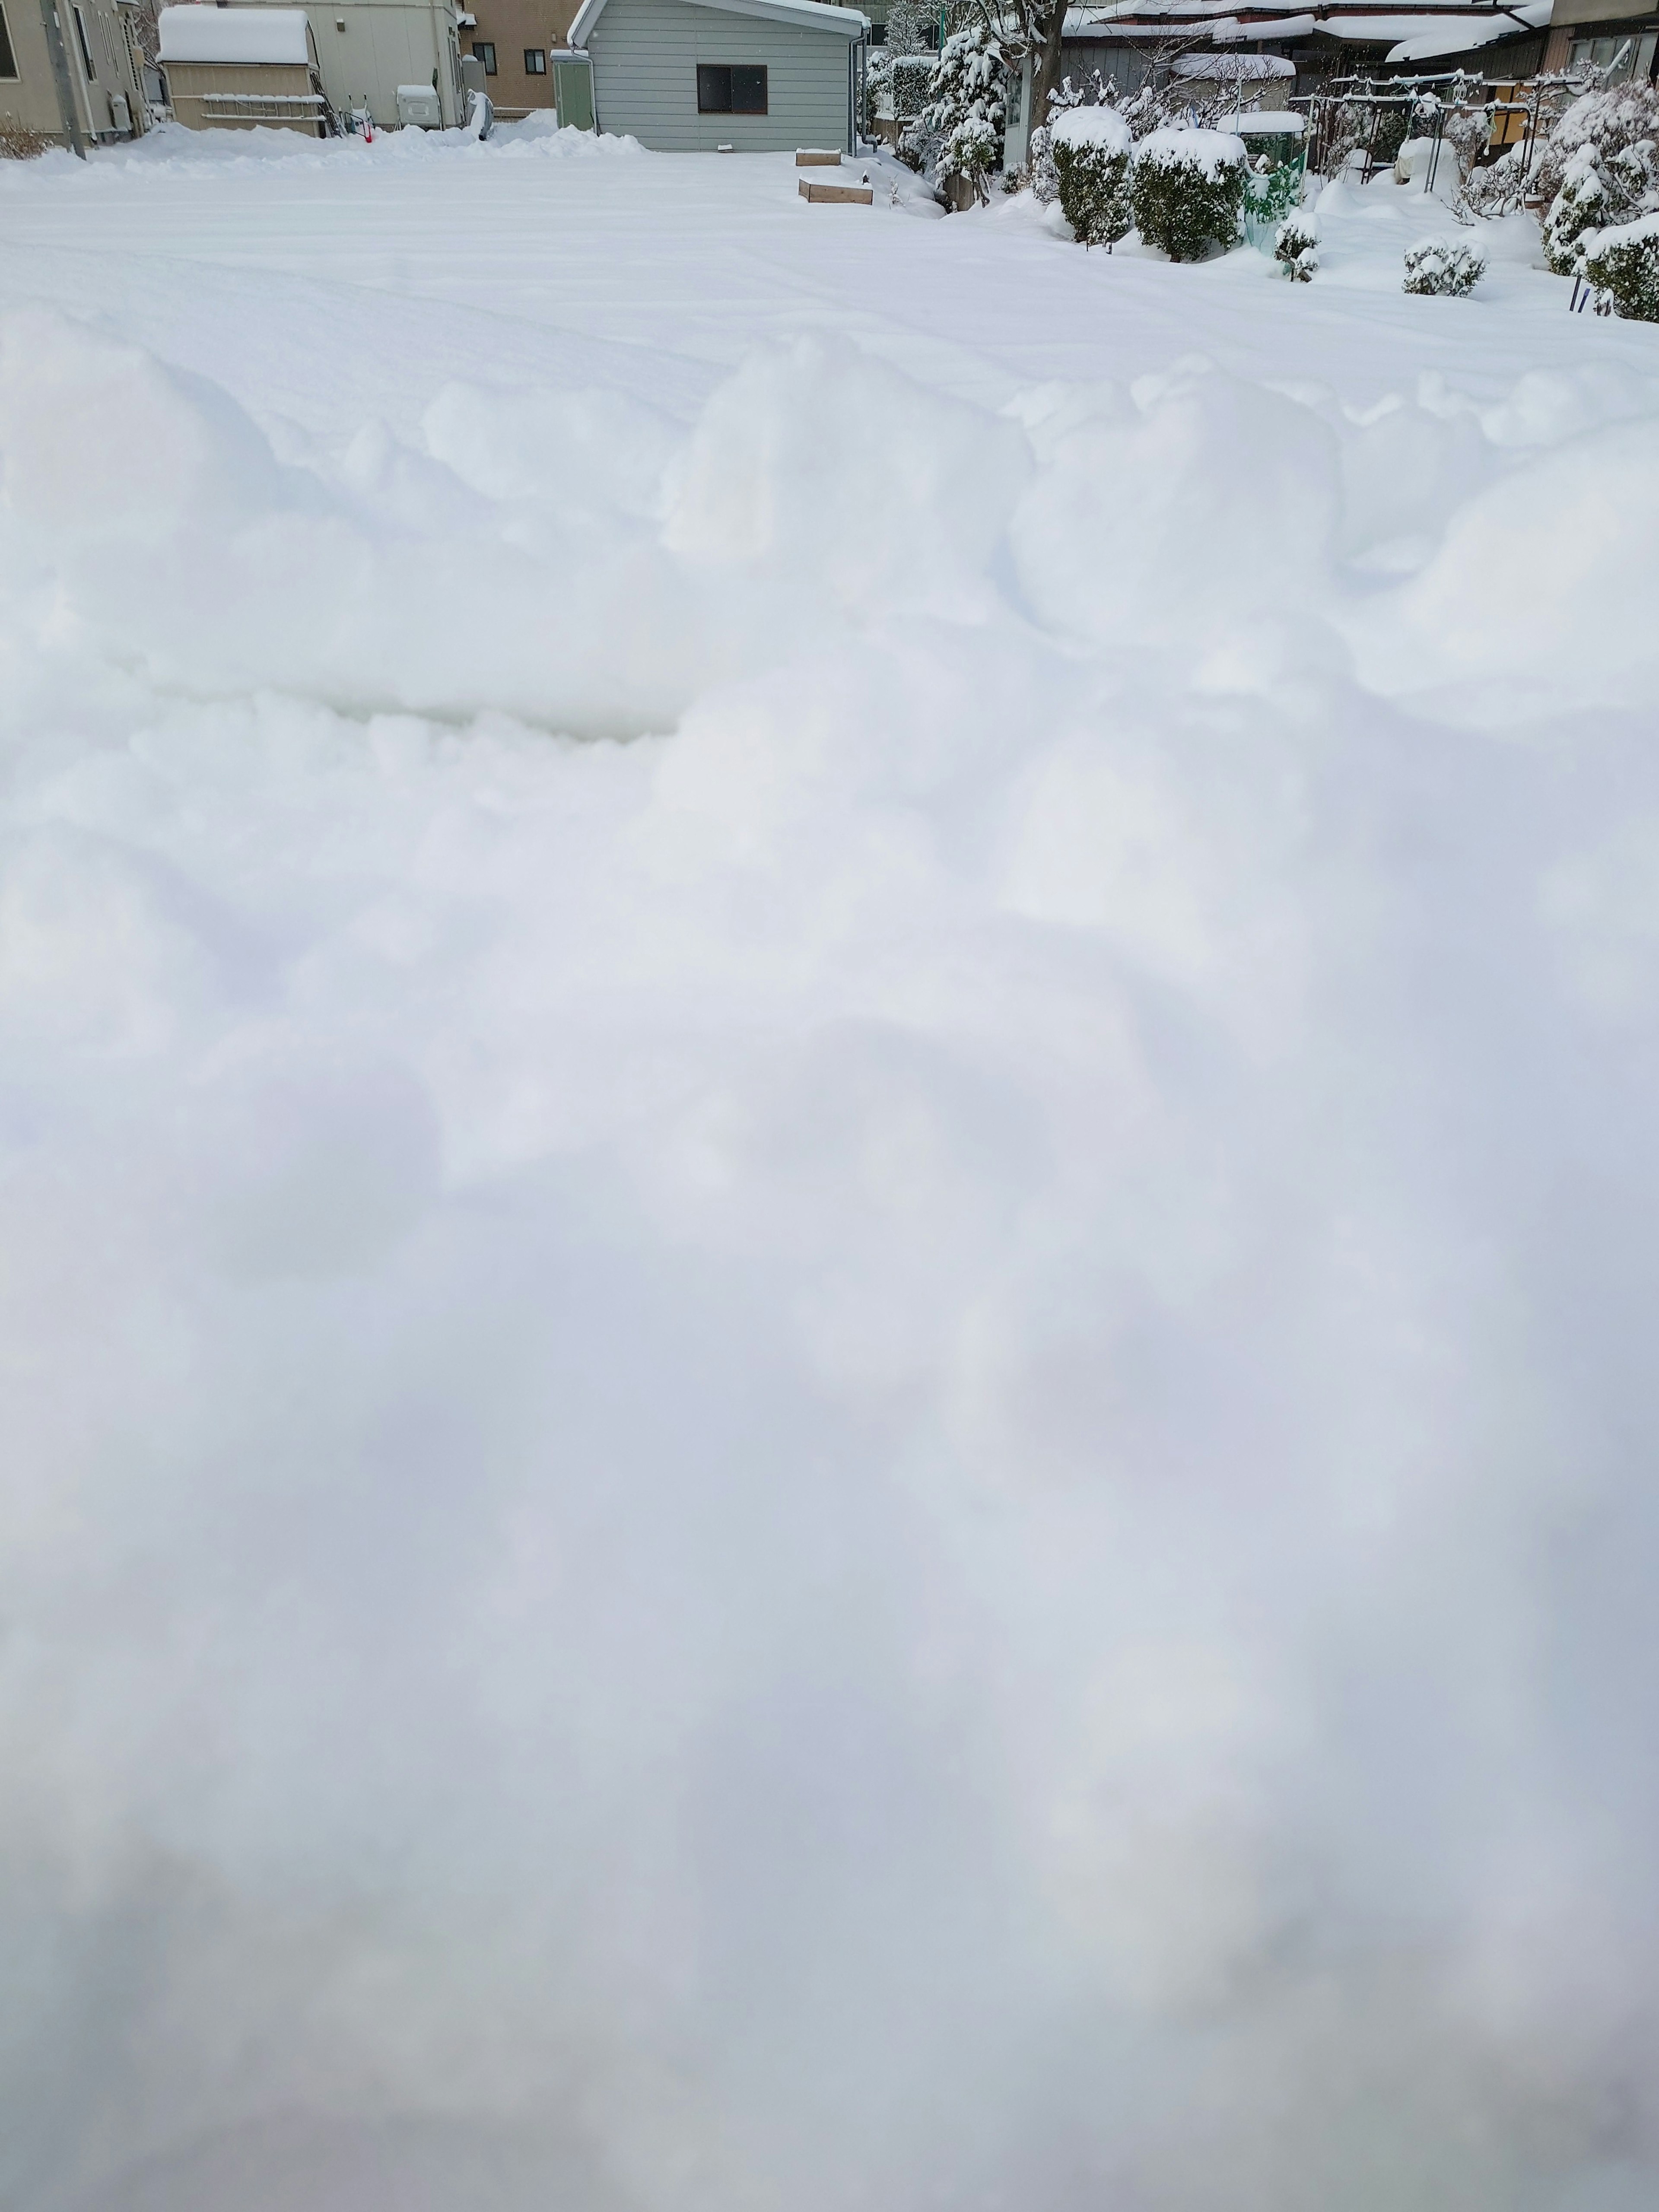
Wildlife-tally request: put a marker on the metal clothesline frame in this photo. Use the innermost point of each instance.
(1378, 93)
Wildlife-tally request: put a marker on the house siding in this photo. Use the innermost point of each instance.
(30, 98)
(645, 54)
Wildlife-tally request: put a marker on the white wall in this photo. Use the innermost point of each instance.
(386, 43)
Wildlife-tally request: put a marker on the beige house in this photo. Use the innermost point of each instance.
(512, 39)
(68, 72)
(239, 68)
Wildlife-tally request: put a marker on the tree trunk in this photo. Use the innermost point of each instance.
(1045, 77)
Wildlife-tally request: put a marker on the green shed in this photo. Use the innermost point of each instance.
(756, 76)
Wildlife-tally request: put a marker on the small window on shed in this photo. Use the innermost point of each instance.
(535, 62)
(7, 65)
(485, 50)
(729, 88)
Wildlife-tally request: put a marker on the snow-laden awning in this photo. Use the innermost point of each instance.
(234, 35)
(1456, 35)
(1234, 69)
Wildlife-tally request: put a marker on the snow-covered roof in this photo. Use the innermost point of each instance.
(234, 34)
(809, 15)
(1459, 35)
(1460, 23)
(1275, 123)
(1235, 68)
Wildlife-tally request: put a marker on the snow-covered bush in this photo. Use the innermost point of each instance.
(1090, 154)
(1296, 247)
(1498, 188)
(1039, 153)
(1583, 204)
(875, 88)
(1448, 266)
(1272, 189)
(1186, 189)
(910, 26)
(1361, 125)
(1623, 264)
(1610, 126)
(966, 111)
(911, 77)
(1468, 133)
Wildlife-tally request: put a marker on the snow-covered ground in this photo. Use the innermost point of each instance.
(827, 1217)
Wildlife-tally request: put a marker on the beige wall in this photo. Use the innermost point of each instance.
(30, 98)
(383, 44)
(193, 85)
(513, 25)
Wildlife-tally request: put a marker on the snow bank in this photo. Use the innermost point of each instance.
(1210, 152)
(172, 152)
(1091, 126)
(824, 1261)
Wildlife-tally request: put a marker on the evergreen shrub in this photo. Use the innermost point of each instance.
(1089, 148)
(1186, 189)
(1446, 266)
(1623, 264)
(1295, 248)
(1583, 204)
(911, 77)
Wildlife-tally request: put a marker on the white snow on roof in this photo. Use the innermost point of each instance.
(813, 14)
(1456, 36)
(1273, 122)
(1235, 68)
(234, 34)
(1219, 20)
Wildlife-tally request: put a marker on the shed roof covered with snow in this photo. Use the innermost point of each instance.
(234, 35)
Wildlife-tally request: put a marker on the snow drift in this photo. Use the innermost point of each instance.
(889, 1447)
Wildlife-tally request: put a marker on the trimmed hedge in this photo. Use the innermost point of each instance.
(1187, 191)
(1623, 264)
(1090, 150)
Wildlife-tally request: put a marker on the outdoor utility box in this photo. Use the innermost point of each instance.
(417, 104)
(573, 88)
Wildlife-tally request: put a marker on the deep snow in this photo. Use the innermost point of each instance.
(828, 1216)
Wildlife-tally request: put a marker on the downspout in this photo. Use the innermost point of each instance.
(60, 77)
